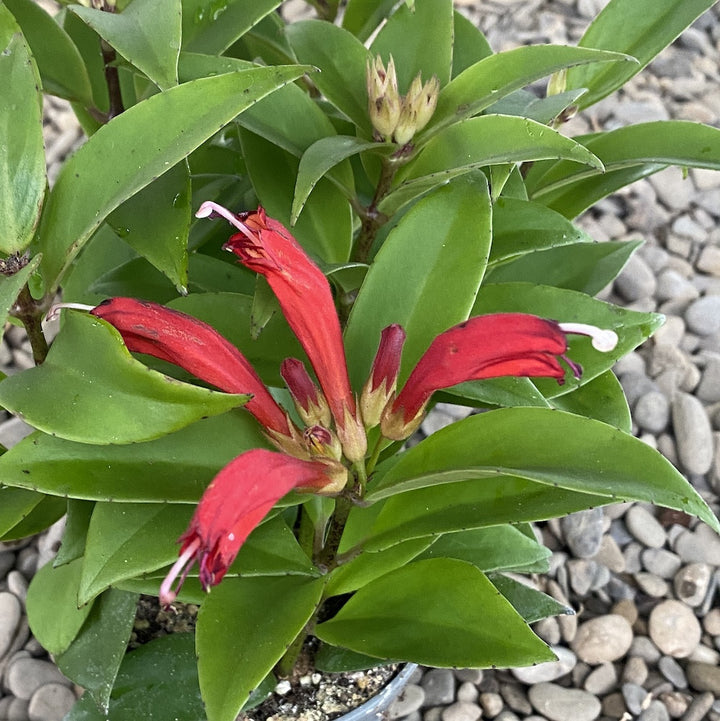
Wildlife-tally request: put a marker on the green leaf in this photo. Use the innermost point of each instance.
(42, 516)
(333, 659)
(15, 505)
(146, 33)
(128, 539)
(435, 612)
(212, 27)
(551, 447)
(585, 267)
(520, 227)
(469, 44)
(176, 467)
(532, 605)
(159, 677)
(571, 306)
(420, 40)
(11, 285)
(61, 68)
(489, 549)
(628, 154)
(343, 83)
(244, 627)
(76, 528)
(496, 76)
(641, 28)
(93, 658)
(139, 145)
(155, 222)
(528, 105)
(362, 17)
(497, 392)
(52, 606)
(320, 157)
(107, 396)
(425, 281)
(325, 228)
(22, 160)
(477, 143)
(602, 398)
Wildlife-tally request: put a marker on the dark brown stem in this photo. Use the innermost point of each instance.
(372, 218)
(112, 80)
(30, 312)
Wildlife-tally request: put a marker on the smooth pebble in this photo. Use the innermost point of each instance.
(605, 638)
(564, 704)
(674, 628)
(50, 703)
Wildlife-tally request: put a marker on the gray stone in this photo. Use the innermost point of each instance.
(661, 562)
(50, 703)
(515, 698)
(467, 693)
(10, 615)
(655, 711)
(699, 707)
(582, 575)
(564, 704)
(492, 704)
(26, 675)
(583, 532)
(693, 434)
(636, 281)
(675, 702)
(645, 527)
(672, 189)
(672, 671)
(674, 628)
(605, 638)
(471, 675)
(634, 696)
(704, 677)
(610, 555)
(703, 315)
(691, 583)
(644, 647)
(462, 712)
(13, 431)
(709, 260)
(439, 687)
(411, 698)
(549, 630)
(601, 680)
(708, 389)
(652, 585)
(699, 546)
(16, 710)
(652, 412)
(684, 225)
(635, 671)
(548, 671)
(17, 585)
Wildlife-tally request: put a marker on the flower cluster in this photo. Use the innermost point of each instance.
(320, 457)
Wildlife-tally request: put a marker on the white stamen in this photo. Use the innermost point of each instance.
(602, 339)
(167, 595)
(54, 311)
(208, 208)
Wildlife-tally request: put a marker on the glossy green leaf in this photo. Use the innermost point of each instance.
(146, 33)
(76, 528)
(641, 28)
(320, 44)
(160, 676)
(52, 606)
(244, 627)
(527, 105)
(176, 467)
(585, 267)
(22, 160)
(532, 605)
(476, 143)
(94, 657)
(362, 17)
(128, 539)
(497, 392)
(458, 506)
(41, 517)
(212, 27)
(160, 131)
(334, 659)
(15, 505)
(571, 306)
(520, 227)
(496, 76)
(602, 398)
(155, 222)
(420, 40)
(107, 396)
(628, 154)
(325, 227)
(425, 281)
(366, 567)
(322, 156)
(435, 612)
(265, 40)
(489, 549)
(11, 285)
(551, 447)
(60, 65)
(469, 44)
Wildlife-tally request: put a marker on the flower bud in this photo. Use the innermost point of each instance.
(380, 386)
(384, 101)
(417, 108)
(309, 400)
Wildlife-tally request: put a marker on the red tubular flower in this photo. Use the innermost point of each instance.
(265, 246)
(235, 503)
(198, 348)
(489, 346)
(380, 386)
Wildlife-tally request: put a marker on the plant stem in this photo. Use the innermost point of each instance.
(29, 312)
(372, 218)
(112, 80)
(286, 664)
(372, 461)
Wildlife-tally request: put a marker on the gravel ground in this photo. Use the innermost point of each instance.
(645, 642)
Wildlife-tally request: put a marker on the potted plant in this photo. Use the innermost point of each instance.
(398, 212)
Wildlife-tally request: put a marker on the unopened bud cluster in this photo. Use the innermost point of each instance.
(394, 117)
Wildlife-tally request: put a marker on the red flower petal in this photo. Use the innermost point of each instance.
(195, 346)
